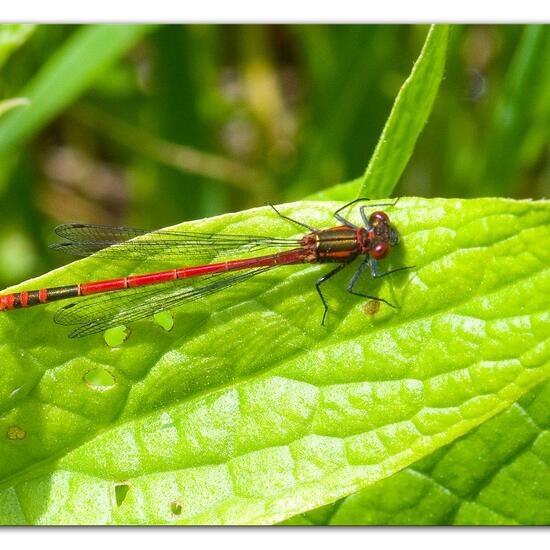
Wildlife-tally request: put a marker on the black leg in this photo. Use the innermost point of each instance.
(362, 209)
(376, 275)
(343, 220)
(356, 276)
(325, 278)
(312, 229)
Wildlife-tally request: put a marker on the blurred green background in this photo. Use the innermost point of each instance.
(150, 126)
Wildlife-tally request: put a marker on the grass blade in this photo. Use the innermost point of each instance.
(407, 118)
(522, 116)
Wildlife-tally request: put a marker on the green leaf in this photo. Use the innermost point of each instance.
(409, 114)
(12, 36)
(65, 76)
(247, 410)
(496, 475)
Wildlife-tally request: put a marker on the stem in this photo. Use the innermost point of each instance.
(181, 157)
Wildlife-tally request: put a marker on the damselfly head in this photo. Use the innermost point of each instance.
(381, 234)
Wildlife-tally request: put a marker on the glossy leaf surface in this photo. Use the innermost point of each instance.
(212, 423)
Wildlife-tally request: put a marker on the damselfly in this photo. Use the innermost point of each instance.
(120, 301)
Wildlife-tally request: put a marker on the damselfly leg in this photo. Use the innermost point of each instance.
(288, 218)
(362, 209)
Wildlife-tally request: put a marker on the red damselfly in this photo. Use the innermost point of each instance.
(120, 301)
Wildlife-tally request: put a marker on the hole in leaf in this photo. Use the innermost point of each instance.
(115, 336)
(372, 307)
(99, 379)
(164, 319)
(15, 433)
(176, 508)
(121, 490)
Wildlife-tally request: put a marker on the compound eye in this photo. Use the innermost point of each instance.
(379, 217)
(380, 250)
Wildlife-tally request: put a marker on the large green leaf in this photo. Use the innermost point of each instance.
(249, 411)
(409, 114)
(496, 475)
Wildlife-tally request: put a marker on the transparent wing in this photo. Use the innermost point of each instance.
(103, 311)
(121, 242)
